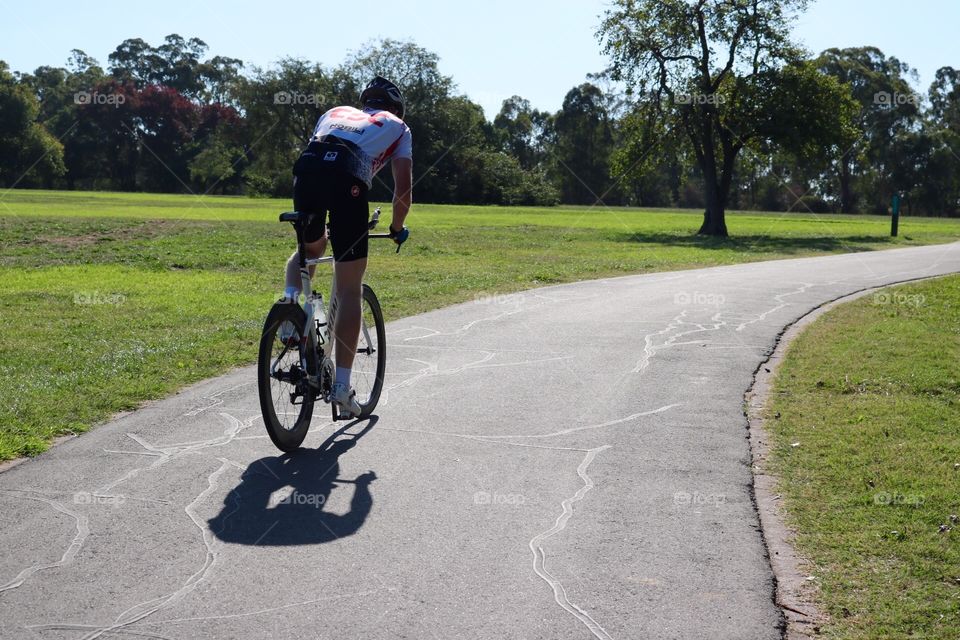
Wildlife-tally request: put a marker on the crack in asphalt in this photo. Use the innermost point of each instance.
(609, 423)
(83, 530)
(650, 349)
(540, 559)
(779, 298)
(135, 614)
(217, 398)
(163, 455)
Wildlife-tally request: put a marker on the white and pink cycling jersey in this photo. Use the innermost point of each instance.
(379, 135)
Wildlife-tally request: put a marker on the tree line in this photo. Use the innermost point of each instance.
(706, 104)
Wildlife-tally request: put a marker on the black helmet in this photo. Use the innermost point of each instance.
(383, 94)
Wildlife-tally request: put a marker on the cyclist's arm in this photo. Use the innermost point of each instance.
(402, 186)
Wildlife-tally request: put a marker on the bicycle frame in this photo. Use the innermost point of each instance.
(313, 302)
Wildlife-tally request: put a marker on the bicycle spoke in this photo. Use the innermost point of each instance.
(286, 376)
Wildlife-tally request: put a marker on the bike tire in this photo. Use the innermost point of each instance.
(370, 358)
(286, 435)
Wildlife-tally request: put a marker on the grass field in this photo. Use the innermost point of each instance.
(110, 299)
(871, 392)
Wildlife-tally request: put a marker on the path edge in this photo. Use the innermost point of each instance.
(794, 593)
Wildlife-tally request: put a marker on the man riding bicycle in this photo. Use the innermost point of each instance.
(348, 147)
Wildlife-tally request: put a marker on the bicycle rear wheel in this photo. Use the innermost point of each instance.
(286, 398)
(370, 363)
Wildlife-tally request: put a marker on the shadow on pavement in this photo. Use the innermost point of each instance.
(281, 500)
(757, 242)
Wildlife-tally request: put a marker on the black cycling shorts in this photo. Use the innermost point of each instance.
(344, 197)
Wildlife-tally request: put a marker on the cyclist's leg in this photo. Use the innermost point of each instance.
(314, 250)
(348, 234)
(309, 194)
(349, 276)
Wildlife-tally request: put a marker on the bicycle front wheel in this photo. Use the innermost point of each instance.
(286, 397)
(370, 363)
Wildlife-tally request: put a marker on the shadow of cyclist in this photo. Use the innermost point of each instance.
(257, 512)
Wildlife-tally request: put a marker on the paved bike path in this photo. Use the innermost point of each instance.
(569, 462)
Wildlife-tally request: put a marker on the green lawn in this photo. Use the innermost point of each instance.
(871, 392)
(109, 299)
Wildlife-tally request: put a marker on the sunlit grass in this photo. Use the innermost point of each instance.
(109, 299)
(867, 448)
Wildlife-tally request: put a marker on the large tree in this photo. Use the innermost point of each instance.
(520, 130)
(28, 153)
(938, 190)
(725, 75)
(582, 143)
(887, 108)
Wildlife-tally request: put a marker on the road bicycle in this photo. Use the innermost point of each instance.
(295, 367)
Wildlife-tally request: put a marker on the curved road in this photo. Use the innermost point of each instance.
(569, 462)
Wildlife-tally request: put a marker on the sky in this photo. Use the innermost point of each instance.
(493, 49)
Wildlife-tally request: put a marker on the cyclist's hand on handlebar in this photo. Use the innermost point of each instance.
(400, 236)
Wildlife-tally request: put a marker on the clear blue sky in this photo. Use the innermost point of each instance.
(493, 49)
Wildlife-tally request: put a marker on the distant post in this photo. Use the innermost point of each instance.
(895, 218)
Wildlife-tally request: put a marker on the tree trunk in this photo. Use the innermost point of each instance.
(714, 218)
(846, 192)
(714, 185)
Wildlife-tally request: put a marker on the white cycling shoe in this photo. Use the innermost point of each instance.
(346, 400)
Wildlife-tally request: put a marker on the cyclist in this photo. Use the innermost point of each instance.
(348, 147)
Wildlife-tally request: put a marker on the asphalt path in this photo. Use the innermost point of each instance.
(568, 462)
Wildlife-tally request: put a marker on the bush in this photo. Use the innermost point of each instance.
(493, 177)
(261, 185)
(816, 204)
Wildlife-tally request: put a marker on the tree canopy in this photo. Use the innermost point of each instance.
(726, 77)
(706, 104)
